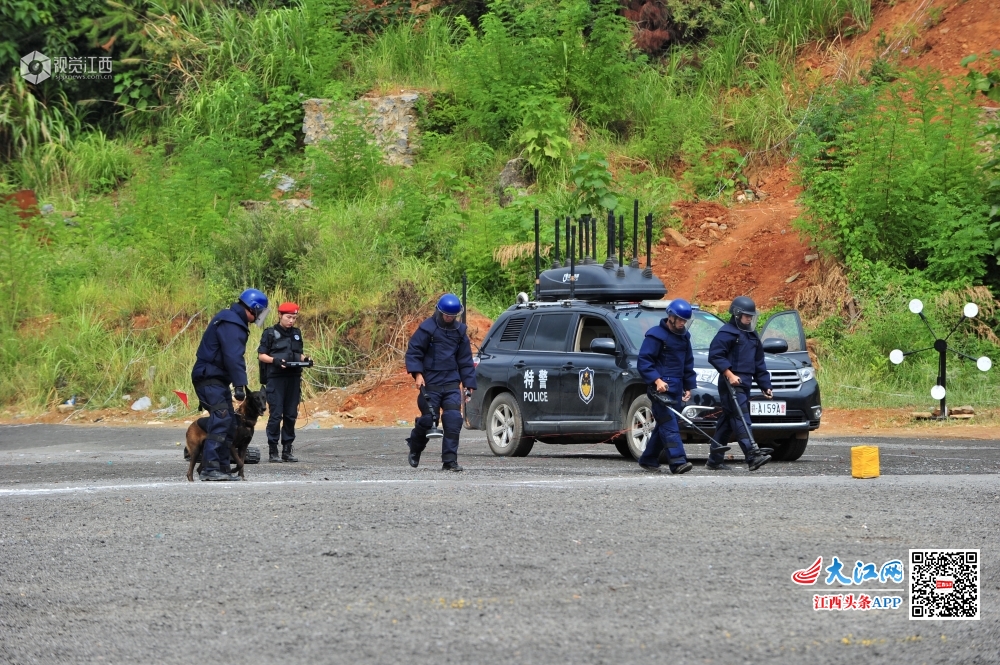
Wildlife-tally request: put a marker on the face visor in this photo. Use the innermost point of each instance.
(261, 316)
(753, 320)
(676, 324)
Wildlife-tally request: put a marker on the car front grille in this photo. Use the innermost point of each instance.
(783, 379)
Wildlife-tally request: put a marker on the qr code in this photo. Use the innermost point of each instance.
(944, 584)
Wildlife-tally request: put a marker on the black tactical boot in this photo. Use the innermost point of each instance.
(451, 466)
(413, 458)
(272, 454)
(757, 461)
(286, 455)
(650, 468)
(681, 468)
(210, 471)
(717, 466)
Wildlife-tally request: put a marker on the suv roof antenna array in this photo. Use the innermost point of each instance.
(609, 263)
(568, 232)
(593, 234)
(648, 272)
(556, 263)
(580, 275)
(591, 251)
(538, 259)
(572, 266)
(621, 246)
(635, 234)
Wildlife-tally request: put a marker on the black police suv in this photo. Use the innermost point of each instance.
(562, 369)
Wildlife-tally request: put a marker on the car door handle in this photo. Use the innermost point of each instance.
(568, 366)
(520, 364)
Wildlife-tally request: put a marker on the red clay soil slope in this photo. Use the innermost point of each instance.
(750, 249)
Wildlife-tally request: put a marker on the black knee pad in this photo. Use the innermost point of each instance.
(425, 422)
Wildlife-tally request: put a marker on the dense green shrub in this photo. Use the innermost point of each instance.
(893, 175)
(348, 165)
(264, 248)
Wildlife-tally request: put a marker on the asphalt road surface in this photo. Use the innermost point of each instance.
(568, 555)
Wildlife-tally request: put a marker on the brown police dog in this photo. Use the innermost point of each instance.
(247, 413)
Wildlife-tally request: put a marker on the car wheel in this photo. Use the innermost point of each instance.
(639, 426)
(790, 449)
(505, 429)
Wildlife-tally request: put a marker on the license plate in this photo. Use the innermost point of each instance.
(768, 408)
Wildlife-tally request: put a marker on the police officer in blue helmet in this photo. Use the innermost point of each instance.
(666, 363)
(737, 354)
(439, 358)
(219, 363)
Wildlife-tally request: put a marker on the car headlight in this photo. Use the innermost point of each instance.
(817, 412)
(706, 375)
(807, 374)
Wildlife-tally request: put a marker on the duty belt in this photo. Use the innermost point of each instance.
(210, 382)
(442, 387)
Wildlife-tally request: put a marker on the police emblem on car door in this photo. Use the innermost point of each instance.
(586, 385)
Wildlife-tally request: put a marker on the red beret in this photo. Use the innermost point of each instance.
(288, 308)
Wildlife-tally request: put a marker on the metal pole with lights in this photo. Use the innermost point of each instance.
(938, 392)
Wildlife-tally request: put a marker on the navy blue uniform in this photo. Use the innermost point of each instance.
(666, 355)
(741, 352)
(219, 363)
(283, 386)
(441, 352)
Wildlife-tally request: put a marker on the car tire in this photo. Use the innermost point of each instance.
(505, 428)
(639, 426)
(790, 449)
(621, 443)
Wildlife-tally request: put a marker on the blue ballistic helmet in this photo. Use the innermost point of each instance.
(256, 302)
(680, 308)
(450, 304)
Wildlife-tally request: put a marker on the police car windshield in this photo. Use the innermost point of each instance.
(636, 322)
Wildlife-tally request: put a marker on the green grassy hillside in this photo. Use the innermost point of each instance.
(144, 172)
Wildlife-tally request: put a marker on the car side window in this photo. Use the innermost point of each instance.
(786, 326)
(589, 329)
(547, 332)
(508, 339)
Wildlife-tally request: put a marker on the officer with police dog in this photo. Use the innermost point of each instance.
(280, 344)
(439, 358)
(737, 354)
(666, 363)
(219, 363)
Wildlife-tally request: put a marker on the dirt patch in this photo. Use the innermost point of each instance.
(389, 399)
(900, 422)
(749, 249)
(393, 404)
(935, 34)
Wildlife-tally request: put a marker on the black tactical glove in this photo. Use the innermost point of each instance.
(240, 392)
(282, 363)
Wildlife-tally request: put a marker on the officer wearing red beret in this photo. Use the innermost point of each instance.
(280, 344)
